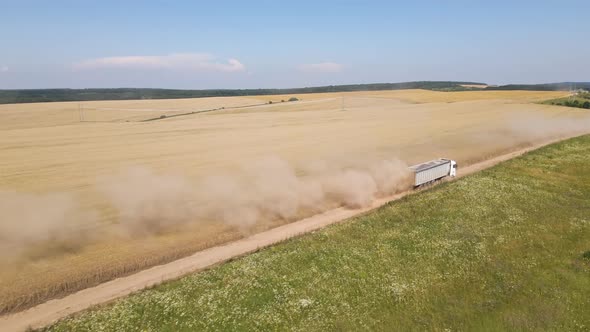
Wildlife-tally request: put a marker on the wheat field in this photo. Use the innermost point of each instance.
(87, 201)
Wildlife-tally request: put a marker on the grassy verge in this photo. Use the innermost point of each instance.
(504, 249)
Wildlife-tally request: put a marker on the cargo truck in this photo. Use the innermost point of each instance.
(434, 170)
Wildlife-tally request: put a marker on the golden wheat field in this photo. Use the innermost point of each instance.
(85, 201)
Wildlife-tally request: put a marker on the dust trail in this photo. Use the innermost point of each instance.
(148, 202)
(521, 130)
(30, 219)
(535, 128)
(266, 190)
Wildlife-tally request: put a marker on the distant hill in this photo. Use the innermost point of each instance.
(50, 95)
(563, 86)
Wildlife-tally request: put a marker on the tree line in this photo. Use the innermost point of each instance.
(50, 95)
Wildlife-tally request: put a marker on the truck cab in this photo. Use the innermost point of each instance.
(453, 171)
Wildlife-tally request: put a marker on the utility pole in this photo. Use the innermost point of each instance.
(81, 112)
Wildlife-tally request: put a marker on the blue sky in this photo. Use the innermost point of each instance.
(251, 44)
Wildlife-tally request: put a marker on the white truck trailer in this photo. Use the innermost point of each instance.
(433, 170)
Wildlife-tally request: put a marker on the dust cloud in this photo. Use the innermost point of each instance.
(145, 200)
(148, 202)
(271, 188)
(265, 190)
(536, 128)
(31, 219)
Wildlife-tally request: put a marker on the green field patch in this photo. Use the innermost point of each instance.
(579, 100)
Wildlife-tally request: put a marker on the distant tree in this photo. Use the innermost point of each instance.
(586, 104)
(575, 103)
(162, 116)
(282, 100)
(293, 99)
(270, 101)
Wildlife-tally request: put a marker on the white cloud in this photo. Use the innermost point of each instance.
(3, 69)
(322, 67)
(183, 61)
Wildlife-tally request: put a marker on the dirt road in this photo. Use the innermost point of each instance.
(51, 311)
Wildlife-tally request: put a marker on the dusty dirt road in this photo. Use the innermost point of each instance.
(53, 310)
